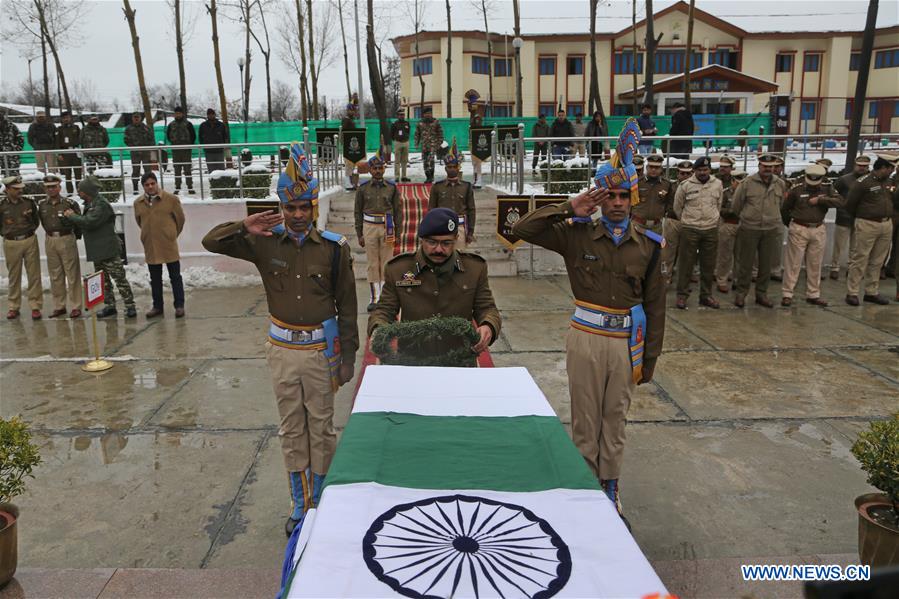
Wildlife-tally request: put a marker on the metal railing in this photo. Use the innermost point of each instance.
(508, 156)
(218, 170)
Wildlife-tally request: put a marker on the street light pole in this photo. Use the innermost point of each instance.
(517, 42)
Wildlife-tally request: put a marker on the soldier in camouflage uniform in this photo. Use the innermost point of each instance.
(102, 245)
(94, 135)
(11, 140)
(180, 132)
(68, 137)
(139, 134)
(428, 137)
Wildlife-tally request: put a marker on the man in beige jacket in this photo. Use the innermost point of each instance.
(697, 203)
(160, 218)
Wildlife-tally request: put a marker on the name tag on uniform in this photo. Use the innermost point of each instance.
(876, 188)
(803, 195)
(408, 280)
(590, 257)
(663, 192)
(277, 262)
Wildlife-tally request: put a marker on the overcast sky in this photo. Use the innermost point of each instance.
(104, 53)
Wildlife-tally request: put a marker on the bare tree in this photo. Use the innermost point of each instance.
(184, 22)
(449, 62)
(861, 85)
(486, 7)
(346, 60)
(162, 95)
(312, 71)
(325, 49)
(634, 56)
(85, 96)
(284, 105)
(292, 53)
(652, 42)
(688, 55)
(374, 73)
(304, 86)
(138, 62)
(416, 13)
(393, 84)
(265, 50)
(595, 100)
(212, 9)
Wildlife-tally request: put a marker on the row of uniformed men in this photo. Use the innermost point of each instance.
(615, 272)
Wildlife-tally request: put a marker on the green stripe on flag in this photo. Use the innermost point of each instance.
(521, 453)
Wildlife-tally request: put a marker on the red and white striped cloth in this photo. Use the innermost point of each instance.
(415, 204)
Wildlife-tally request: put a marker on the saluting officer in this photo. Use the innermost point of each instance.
(61, 247)
(312, 337)
(439, 280)
(655, 195)
(378, 216)
(870, 203)
(457, 195)
(619, 320)
(18, 222)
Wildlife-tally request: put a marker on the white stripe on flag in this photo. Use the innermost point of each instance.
(411, 546)
(431, 391)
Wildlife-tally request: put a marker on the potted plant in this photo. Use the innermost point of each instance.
(877, 450)
(18, 457)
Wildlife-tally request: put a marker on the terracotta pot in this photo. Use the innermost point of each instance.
(878, 544)
(9, 515)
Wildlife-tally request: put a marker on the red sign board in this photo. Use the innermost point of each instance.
(93, 289)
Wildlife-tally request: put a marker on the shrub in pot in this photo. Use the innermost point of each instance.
(111, 182)
(18, 457)
(877, 450)
(568, 176)
(256, 180)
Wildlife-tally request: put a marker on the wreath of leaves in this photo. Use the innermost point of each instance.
(412, 335)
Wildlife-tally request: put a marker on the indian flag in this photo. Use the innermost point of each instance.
(462, 482)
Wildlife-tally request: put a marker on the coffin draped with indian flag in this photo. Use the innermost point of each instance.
(461, 482)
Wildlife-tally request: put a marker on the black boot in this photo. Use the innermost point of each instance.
(107, 312)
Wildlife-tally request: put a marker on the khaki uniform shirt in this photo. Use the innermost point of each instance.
(412, 291)
(654, 198)
(757, 204)
(458, 196)
(698, 204)
(298, 278)
(51, 214)
(161, 221)
(18, 218)
(600, 272)
(378, 198)
(727, 199)
(870, 198)
(797, 206)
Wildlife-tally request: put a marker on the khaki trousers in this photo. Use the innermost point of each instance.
(763, 243)
(461, 243)
(671, 230)
(701, 243)
(872, 245)
(808, 243)
(64, 267)
(45, 161)
(400, 159)
(600, 383)
(377, 250)
(724, 264)
(843, 239)
(302, 384)
(26, 251)
(348, 167)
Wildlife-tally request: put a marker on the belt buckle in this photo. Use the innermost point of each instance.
(614, 321)
(301, 336)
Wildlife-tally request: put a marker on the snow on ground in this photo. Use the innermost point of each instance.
(195, 277)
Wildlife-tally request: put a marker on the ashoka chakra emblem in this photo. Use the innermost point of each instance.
(463, 546)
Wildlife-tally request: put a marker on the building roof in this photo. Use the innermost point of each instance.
(738, 82)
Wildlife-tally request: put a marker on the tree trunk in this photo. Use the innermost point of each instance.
(138, 63)
(595, 99)
(312, 70)
(266, 52)
(248, 57)
(61, 76)
(634, 54)
(346, 59)
(688, 54)
(489, 60)
(449, 62)
(519, 101)
(861, 86)
(649, 63)
(304, 90)
(374, 76)
(421, 79)
(217, 62)
(46, 74)
(179, 51)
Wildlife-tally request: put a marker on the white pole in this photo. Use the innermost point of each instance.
(359, 69)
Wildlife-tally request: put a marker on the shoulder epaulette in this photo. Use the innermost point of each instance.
(654, 236)
(334, 237)
(364, 183)
(863, 177)
(471, 255)
(403, 255)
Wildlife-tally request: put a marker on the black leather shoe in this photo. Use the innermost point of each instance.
(852, 300)
(131, 312)
(107, 312)
(875, 299)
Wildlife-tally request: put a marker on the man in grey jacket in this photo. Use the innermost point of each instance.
(697, 203)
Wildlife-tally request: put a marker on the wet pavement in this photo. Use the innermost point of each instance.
(738, 449)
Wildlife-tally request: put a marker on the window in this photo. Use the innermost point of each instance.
(422, 66)
(575, 65)
(808, 111)
(872, 110)
(416, 112)
(855, 61)
(502, 67)
(547, 66)
(480, 65)
(895, 108)
(726, 58)
(672, 61)
(624, 63)
(574, 110)
(812, 63)
(784, 63)
(546, 109)
(501, 110)
(622, 109)
(848, 109)
(886, 59)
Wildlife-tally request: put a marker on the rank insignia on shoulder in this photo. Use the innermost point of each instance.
(590, 257)
(408, 280)
(655, 237)
(335, 237)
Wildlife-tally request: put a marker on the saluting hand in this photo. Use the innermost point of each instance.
(587, 203)
(261, 223)
(486, 334)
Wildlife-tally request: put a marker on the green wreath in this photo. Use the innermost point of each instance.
(411, 335)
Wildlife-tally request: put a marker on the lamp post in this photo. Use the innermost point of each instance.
(243, 97)
(517, 43)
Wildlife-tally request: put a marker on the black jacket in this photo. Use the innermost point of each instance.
(214, 132)
(399, 130)
(681, 123)
(561, 129)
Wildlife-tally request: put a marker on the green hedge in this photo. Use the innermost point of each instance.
(255, 185)
(564, 180)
